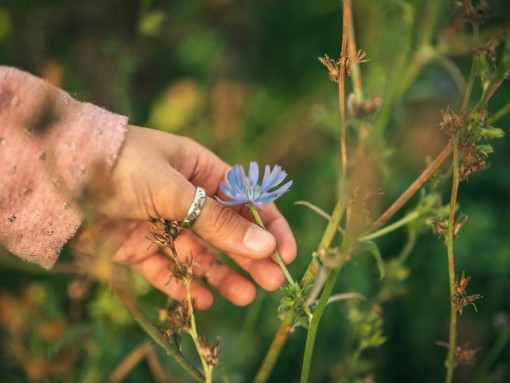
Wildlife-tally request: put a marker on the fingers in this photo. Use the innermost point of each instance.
(228, 231)
(221, 277)
(155, 269)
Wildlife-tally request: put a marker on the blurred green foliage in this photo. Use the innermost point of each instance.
(242, 77)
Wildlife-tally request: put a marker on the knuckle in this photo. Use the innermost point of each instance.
(224, 220)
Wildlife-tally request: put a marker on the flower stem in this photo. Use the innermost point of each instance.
(288, 320)
(194, 333)
(145, 324)
(314, 324)
(394, 226)
(499, 114)
(256, 215)
(351, 46)
(276, 347)
(450, 364)
(341, 99)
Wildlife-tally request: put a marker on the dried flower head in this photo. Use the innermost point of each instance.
(489, 48)
(236, 188)
(210, 353)
(463, 354)
(439, 226)
(332, 66)
(165, 233)
(475, 14)
(473, 160)
(460, 299)
(451, 122)
(466, 355)
(358, 59)
(178, 317)
(459, 222)
(365, 108)
(182, 270)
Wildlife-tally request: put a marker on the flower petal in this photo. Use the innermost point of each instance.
(271, 196)
(229, 192)
(274, 179)
(229, 202)
(254, 177)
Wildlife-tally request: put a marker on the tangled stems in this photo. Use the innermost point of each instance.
(208, 369)
(156, 336)
(288, 320)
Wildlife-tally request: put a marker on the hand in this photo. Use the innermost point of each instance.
(155, 177)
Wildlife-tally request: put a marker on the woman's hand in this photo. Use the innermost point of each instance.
(155, 177)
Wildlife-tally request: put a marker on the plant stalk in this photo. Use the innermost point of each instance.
(194, 333)
(288, 320)
(314, 324)
(156, 335)
(413, 188)
(450, 364)
(276, 347)
(341, 97)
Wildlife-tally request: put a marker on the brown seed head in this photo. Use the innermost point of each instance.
(460, 299)
(332, 66)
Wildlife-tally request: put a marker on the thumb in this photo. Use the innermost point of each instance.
(229, 232)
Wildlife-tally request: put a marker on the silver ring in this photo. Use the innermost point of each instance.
(195, 209)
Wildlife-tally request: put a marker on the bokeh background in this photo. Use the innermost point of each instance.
(242, 77)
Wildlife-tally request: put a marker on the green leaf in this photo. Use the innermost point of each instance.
(372, 247)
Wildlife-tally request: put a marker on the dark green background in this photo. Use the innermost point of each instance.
(242, 77)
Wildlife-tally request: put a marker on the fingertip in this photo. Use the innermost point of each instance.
(267, 274)
(203, 299)
(245, 296)
(288, 251)
(231, 233)
(259, 242)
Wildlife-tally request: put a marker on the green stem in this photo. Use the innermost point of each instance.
(351, 45)
(194, 333)
(276, 347)
(394, 226)
(314, 324)
(158, 338)
(472, 74)
(428, 22)
(288, 320)
(256, 215)
(450, 365)
(499, 114)
(452, 344)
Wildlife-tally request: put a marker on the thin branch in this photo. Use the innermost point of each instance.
(341, 99)
(450, 364)
(156, 335)
(413, 188)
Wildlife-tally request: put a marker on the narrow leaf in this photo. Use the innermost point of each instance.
(372, 247)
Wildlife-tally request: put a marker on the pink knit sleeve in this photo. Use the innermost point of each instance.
(49, 146)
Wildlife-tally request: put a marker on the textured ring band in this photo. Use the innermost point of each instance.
(195, 208)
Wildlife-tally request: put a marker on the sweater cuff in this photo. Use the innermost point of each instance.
(50, 144)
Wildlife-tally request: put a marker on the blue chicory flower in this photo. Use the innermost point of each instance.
(236, 188)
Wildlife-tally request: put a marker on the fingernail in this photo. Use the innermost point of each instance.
(257, 239)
